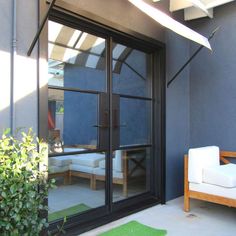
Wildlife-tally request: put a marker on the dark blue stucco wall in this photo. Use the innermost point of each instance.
(201, 103)
(81, 109)
(177, 114)
(213, 83)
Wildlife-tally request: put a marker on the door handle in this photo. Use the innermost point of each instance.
(101, 126)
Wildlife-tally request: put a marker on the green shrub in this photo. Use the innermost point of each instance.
(23, 187)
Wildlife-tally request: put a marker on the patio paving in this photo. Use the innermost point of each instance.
(204, 219)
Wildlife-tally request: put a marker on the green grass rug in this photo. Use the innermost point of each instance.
(134, 228)
(67, 212)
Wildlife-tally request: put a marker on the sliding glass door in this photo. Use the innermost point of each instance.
(100, 123)
(76, 81)
(132, 122)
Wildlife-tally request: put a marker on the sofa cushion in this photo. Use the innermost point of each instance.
(222, 175)
(81, 168)
(200, 158)
(60, 160)
(88, 159)
(103, 163)
(101, 172)
(71, 149)
(117, 161)
(58, 169)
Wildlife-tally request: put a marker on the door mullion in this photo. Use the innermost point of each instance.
(109, 187)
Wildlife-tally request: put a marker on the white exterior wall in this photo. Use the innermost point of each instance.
(5, 63)
(23, 69)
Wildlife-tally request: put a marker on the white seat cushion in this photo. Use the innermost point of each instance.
(200, 158)
(81, 168)
(88, 159)
(115, 174)
(69, 149)
(60, 160)
(213, 190)
(57, 169)
(103, 163)
(117, 161)
(223, 175)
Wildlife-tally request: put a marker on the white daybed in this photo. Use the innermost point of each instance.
(209, 176)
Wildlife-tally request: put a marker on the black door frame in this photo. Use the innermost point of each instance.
(87, 221)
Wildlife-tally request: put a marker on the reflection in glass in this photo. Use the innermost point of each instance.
(76, 59)
(131, 71)
(135, 119)
(76, 191)
(78, 120)
(69, 130)
(130, 172)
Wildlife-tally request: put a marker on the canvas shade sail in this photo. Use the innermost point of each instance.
(170, 23)
(68, 45)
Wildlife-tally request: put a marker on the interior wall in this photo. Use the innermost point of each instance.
(213, 83)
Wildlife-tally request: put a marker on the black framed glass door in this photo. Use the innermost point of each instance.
(77, 83)
(100, 123)
(132, 121)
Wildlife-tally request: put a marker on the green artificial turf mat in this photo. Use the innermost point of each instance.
(67, 212)
(134, 228)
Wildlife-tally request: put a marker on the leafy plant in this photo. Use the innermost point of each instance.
(23, 186)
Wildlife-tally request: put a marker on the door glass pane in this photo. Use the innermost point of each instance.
(76, 189)
(135, 122)
(132, 122)
(131, 175)
(131, 71)
(72, 119)
(79, 121)
(77, 64)
(76, 58)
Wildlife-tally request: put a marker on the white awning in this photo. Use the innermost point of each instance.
(170, 23)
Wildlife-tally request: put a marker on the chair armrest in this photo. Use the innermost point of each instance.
(226, 154)
(186, 186)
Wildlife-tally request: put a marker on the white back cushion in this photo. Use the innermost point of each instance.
(200, 158)
(222, 175)
(118, 161)
(87, 159)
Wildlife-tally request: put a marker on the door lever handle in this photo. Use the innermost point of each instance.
(101, 126)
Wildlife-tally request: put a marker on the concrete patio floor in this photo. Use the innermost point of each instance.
(204, 219)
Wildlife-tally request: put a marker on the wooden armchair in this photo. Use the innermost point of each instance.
(210, 192)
